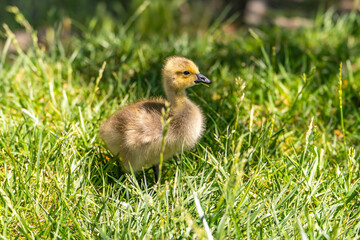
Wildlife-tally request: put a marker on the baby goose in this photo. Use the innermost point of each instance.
(134, 133)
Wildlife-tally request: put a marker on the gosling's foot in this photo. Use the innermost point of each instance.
(156, 172)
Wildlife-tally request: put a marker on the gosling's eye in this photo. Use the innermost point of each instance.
(186, 73)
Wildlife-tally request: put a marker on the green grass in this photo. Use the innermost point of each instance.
(279, 158)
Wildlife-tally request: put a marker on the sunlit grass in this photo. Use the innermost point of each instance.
(273, 162)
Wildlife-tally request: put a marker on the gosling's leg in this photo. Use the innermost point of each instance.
(156, 172)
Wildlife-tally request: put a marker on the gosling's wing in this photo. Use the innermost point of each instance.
(140, 123)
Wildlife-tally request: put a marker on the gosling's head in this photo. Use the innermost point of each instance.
(180, 73)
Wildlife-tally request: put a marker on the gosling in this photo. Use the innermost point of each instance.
(135, 132)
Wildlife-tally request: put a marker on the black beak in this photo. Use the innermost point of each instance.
(202, 79)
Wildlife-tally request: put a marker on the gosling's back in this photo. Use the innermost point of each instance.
(134, 133)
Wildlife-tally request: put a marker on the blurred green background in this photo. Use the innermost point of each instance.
(184, 12)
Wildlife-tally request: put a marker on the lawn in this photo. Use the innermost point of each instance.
(279, 158)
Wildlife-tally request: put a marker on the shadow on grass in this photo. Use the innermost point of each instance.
(107, 170)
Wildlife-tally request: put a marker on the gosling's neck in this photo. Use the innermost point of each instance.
(178, 100)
